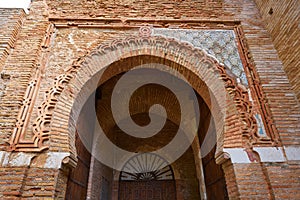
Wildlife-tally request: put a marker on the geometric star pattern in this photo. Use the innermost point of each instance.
(220, 44)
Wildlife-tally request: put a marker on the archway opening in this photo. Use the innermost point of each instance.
(104, 181)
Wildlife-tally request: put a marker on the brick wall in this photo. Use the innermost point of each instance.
(19, 68)
(282, 177)
(11, 21)
(281, 20)
(31, 182)
(12, 180)
(251, 181)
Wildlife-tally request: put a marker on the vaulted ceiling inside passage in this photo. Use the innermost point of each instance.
(140, 102)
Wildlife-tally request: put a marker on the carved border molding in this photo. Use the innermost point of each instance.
(117, 23)
(42, 124)
(18, 139)
(256, 87)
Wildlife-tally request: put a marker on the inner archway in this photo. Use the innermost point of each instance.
(156, 183)
(186, 178)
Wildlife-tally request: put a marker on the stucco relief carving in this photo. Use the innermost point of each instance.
(218, 43)
(20, 141)
(42, 128)
(257, 91)
(18, 136)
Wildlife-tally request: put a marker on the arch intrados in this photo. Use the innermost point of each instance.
(114, 69)
(131, 62)
(170, 106)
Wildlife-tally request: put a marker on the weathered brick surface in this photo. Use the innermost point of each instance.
(11, 21)
(39, 183)
(281, 19)
(31, 183)
(251, 181)
(61, 184)
(231, 183)
(21, 66)
(141, 9)
(284, 179)
(11, 180)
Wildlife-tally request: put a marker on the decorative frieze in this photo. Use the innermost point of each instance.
(256, 90)
(19, 139)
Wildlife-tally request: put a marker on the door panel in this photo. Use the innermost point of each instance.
(147, 190)
(78, 177)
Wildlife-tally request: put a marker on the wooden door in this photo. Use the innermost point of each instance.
(147, 190)
(145, 178)
(78, 178)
